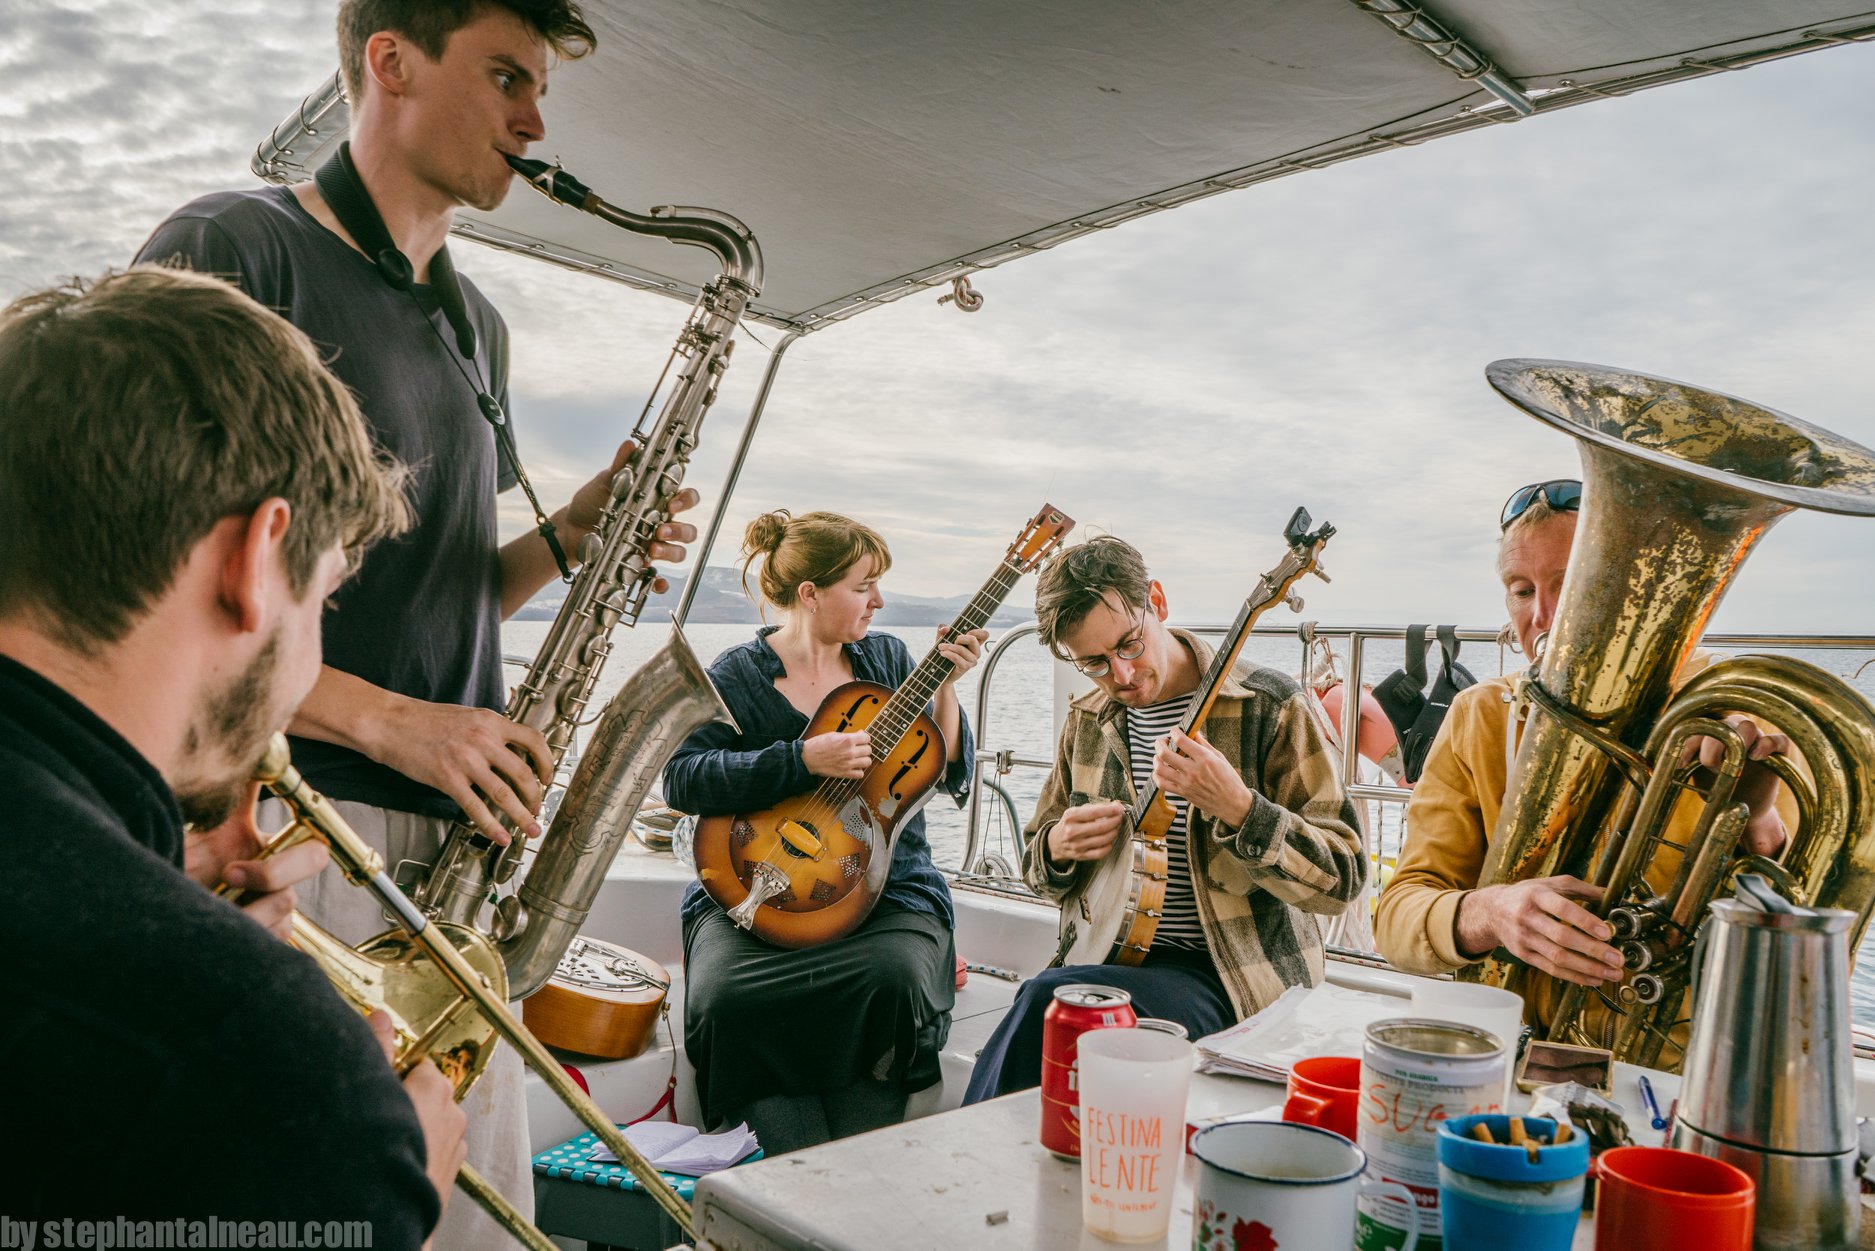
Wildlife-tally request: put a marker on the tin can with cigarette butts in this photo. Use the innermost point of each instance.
(1075, 1010)
(1415, 1074)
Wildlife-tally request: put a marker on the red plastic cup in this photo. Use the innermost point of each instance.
(1652, 1198)
(1325, 1091)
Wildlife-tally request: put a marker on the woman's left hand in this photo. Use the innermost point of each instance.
(963, 651)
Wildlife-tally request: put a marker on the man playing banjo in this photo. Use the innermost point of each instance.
(1264, 832)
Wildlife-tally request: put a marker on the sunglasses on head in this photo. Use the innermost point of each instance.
(1562, 494)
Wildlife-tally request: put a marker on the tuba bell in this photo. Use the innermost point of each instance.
(1679, 484)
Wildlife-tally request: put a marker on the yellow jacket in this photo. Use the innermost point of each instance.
(1449, 823)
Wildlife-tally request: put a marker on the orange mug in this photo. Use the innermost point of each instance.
(1325, 1091)
(1658, 1197)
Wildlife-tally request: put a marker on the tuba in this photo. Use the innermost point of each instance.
(662, 702)
(442, 985)
(1679, 484)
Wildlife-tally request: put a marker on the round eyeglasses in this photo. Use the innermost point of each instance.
(1131, 648)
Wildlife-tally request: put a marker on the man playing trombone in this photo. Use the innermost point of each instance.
(182, 484)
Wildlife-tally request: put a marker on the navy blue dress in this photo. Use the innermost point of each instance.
(761, 1020)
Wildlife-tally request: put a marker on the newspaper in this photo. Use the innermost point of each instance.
(1325, 1020)
(682, 1148)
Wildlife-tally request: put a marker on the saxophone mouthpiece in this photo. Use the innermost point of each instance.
(551, 181)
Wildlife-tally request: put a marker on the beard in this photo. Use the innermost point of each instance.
(226, 738)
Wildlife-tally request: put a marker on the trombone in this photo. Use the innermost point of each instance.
(444, 987)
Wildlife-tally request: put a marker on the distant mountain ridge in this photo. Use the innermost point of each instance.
(720, 601)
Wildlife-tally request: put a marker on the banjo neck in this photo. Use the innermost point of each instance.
(1152, 812)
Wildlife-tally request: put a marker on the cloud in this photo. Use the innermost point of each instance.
(1185, 381)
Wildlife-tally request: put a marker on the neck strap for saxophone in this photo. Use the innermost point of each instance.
(346, 195)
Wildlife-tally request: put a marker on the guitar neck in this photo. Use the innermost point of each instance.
(917, 689)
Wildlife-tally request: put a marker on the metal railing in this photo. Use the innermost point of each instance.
(1349, 644)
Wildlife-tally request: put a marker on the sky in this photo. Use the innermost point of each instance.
(1184, 381)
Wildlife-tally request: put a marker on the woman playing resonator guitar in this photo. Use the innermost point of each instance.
(826, 1041)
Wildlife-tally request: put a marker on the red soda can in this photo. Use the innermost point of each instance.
(1076, 1010)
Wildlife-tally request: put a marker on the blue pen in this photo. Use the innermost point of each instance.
(1653, 1104)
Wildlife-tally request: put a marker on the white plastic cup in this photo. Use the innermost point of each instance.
(1489, 1008)
(1133, 1084)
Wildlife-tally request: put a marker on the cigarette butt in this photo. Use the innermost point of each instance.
(1482, 1132)
(1517, 1135)
(1563, 1133)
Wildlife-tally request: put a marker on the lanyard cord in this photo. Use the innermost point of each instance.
(350, 202)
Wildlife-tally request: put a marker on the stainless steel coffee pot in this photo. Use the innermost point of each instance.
(1769, 1082)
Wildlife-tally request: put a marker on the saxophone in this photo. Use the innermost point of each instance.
(1679, 486)
(662, 702)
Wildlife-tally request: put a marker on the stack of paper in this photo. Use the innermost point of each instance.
(1321, 1021)
(684, 1148)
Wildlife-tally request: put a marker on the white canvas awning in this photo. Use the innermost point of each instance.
(876, 149)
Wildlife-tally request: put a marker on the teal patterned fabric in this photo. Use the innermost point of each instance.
(568, 1161)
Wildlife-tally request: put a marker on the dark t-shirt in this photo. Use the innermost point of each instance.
(423, 616)
(165, 1056)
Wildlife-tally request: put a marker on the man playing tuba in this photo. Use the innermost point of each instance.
(1433, 917)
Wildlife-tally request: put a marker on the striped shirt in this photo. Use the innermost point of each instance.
(1179, 925)
(1265, 881)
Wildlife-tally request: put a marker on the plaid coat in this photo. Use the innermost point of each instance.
(1299, 851)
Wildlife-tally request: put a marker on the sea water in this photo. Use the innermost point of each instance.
(1021, 720)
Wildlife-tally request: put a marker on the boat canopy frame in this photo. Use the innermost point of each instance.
(883, 150)
(1740, 34)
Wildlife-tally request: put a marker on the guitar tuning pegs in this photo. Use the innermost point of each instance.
(1320, 572)
(1294, 601)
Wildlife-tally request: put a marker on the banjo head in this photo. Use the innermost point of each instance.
(1101, 915)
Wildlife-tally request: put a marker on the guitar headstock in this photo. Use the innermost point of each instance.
(1039, 538)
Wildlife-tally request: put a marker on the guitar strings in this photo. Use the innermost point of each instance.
(833, 794)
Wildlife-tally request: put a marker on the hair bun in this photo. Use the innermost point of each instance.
(766, 532)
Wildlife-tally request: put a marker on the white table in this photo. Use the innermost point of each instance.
(977, 1178)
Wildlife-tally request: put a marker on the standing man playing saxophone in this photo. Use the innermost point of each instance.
(181, 486)
(404, 728)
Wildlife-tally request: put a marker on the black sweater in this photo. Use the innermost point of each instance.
(161, 1055)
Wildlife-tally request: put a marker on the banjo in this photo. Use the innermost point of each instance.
(1112, 914)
